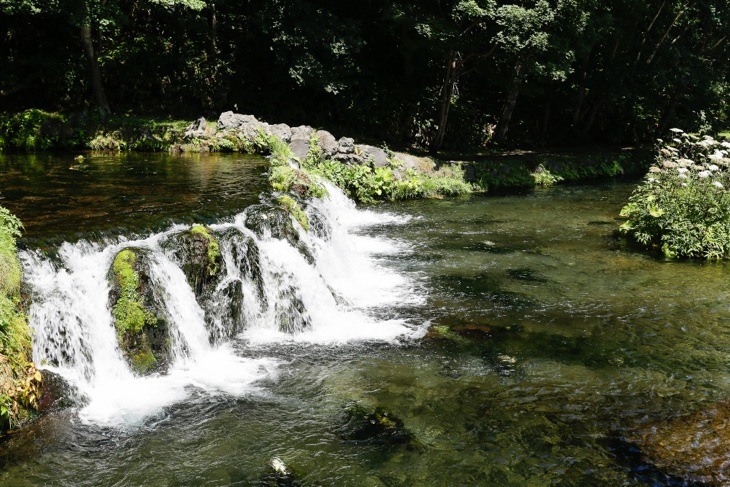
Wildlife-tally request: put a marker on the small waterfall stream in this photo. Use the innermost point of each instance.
(324, 287)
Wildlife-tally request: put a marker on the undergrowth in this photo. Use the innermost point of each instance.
(682, 208)
(19, 380)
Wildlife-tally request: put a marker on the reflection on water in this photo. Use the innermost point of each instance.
(553, 342)
(59, 198)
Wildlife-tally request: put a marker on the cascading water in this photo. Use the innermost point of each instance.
(324, 286)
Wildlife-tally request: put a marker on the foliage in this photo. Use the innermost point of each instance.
(571, 72)
(527, 171)
(683, 205)
(543, 177)
(29, 130)
(19, 380)
(368, 184)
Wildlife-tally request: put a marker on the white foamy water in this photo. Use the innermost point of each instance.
(328, 289)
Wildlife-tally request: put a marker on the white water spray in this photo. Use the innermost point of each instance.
(324, 290)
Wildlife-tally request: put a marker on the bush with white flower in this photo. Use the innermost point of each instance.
(682, 208)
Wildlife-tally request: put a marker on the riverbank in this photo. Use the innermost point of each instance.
(19, 379)
(392, 175)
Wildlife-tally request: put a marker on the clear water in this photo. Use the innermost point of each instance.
(563, 341)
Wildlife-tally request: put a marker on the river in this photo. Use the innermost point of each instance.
(516, 338)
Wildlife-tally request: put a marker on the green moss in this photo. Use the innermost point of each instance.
(144, 360)
(19, 380)
(286, 178)
(129, 313)
(214, 252)
(288, 203)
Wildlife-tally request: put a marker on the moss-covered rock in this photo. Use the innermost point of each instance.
(197, 251)
(695, 447)
(140, 324)
(287, 179)
(288, 203)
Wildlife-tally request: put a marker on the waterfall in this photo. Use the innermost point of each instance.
(277, 283)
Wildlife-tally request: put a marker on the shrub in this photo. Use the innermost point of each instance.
(682, 207)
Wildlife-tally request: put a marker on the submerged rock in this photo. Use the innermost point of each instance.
(375, 426)
(58, 393)
(278, 474)
(695, 447)
(141, 326)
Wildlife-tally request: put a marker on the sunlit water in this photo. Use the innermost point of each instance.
(563, 341)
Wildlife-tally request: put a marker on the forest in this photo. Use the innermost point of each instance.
(436, 74)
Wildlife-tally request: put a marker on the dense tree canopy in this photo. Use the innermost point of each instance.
(437, 73)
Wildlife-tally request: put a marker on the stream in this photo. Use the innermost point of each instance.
(517, 339)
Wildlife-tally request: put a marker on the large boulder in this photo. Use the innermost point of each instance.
(302, 132)
(232, 121)
(373, 155)
(58, 393)
(695, 447)
(327, 142)
(280, 130)
(198, 253)
(350, 159)
(276, 222)
(140, 323)
(300, 148)
(346, 145)
(197, 129)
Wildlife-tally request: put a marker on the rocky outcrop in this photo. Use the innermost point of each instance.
(243, 131)
(141, 326)
(198, 253)
(695, 447)
(276, 222)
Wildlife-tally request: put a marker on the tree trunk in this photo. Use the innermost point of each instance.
(500, 133)
(447, 92)
(94, 71)
(668, 114)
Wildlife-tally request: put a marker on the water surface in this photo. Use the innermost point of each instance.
(550, 341)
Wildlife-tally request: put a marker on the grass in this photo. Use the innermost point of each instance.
(19, 379)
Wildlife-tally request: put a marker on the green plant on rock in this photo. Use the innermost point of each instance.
(288, 203)
(682, 208)
(544, 177)
(111, 142)
(214, 252)
(278, 151)
(129, 313)
(19, 380)
(286, 178)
